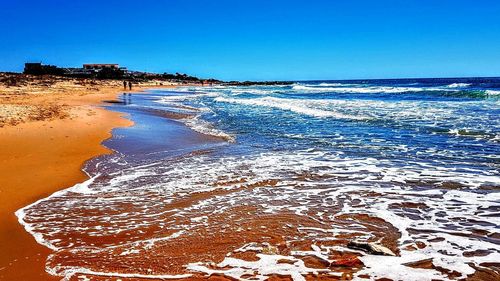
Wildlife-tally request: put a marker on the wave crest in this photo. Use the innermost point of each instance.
(458, 85)
(360, 90)
(296, 106)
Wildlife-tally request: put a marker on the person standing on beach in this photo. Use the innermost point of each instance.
(130, 85)
(124, 85)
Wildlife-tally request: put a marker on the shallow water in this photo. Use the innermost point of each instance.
(252, 182)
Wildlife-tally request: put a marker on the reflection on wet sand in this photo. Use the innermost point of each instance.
(173, 203)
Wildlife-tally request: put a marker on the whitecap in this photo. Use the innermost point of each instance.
(362, 90)
(201, 126)
(297, 106)
(492, 92)
(458, 85)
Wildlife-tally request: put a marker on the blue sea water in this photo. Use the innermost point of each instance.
(440, 123)
(288, 172)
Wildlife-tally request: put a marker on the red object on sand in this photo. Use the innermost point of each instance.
(350, 261)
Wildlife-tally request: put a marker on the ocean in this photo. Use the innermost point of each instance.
(252, 182)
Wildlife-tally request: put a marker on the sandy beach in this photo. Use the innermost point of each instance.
(179, 200)
(249, 140)
(48, 129)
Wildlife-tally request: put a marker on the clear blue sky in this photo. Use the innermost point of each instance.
(257, 39)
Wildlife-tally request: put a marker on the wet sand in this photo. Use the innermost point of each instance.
(44, 154)
(151, 216)
(147, 243)
(37, 159)
(157, 134)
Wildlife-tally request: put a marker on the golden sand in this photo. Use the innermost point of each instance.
(47, 130)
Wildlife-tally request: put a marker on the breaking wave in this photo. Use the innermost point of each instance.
(458, 85)
(199, 125)
(493, 92)
(362, 90)
(419, 176)
(325, 187)
(297, 106)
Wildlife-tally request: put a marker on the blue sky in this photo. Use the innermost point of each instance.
(259, 40)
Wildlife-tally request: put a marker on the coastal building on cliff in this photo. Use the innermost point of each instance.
(37, 68)
(110, 70)
(100, 66)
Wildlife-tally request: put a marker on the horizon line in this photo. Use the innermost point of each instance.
(310, 80)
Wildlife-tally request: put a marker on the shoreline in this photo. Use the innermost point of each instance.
(174, 135)
(188, 247)
(45, 156)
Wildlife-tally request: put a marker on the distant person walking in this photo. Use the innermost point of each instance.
(124, 85)
(130, 85)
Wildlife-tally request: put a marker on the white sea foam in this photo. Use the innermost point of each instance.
(297, 106)
(365, 89)
(183, 97)
(458, 85)
(262, 268)
(254, 91)
(359, 177)
(84, 186)
(313, 184)
(196, 123)
(493, 92)
(426, 114)
(207, 128)
(379, 207)
(331, 84)
(21, 213)
(69, 272)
